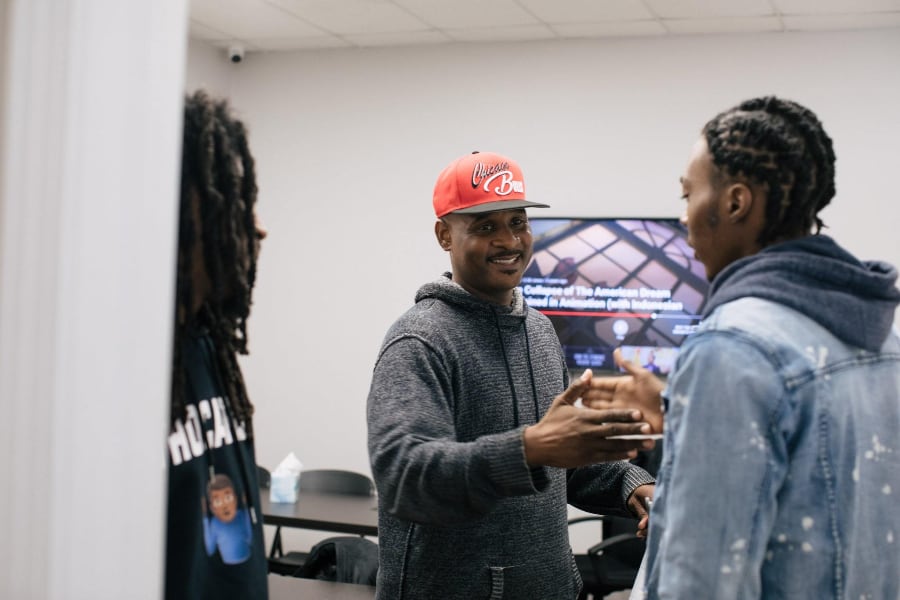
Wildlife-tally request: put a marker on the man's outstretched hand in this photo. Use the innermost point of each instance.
(570, 436)
(639, 389)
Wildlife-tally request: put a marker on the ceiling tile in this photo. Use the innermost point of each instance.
(502, 34)
(227, 44)
(620, 29)
(841, 22)
(199, 31)
(299, 43)
(249, 19)
(734, 25)
(818, 7)
(418, 38)
(354, 16)
(693, 9)
(303, 24)
(586, 11)
(464, 14)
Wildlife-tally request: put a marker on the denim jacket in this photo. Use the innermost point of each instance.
(781, 461)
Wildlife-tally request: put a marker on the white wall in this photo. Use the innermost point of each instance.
(89, 155)
(208, 69)
(349, 142)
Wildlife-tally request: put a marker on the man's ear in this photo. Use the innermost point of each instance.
(741, 199)
(442, 233)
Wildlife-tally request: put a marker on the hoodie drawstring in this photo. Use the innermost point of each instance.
(534, 396)
(509, 376)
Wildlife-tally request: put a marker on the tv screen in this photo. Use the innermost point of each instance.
(607, 283)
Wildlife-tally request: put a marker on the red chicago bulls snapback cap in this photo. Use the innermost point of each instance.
(480, 182)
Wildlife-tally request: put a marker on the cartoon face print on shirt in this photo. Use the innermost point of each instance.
(223, 504)
(228, 530)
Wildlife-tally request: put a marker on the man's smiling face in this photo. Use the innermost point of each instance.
(488, 252)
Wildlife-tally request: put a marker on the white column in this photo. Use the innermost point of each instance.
(90, 135)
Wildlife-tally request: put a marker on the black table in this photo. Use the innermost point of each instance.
(341, 513)
(282, 587)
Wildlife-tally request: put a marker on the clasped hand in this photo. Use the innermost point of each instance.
(570, 435)
(639, 389)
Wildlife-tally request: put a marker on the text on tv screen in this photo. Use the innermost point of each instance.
(607, 283)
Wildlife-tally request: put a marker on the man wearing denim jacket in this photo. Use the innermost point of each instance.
(781, 463)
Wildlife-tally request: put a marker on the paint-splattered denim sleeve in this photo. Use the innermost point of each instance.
(781, 463)
(722, 466)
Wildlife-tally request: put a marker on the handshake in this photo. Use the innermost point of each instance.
(638, 389)
(616, 417)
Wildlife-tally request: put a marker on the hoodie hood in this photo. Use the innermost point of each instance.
(853, 299)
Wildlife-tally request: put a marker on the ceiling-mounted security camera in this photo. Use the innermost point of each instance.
(235, 53)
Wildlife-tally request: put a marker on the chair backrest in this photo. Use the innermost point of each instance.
(265, 478)
(342, 558)
(629, 551)
(336, 481)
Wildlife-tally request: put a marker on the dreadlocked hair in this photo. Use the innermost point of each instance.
(218, 172)
(782, 146)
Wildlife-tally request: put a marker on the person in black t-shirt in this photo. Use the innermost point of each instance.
(214, 547)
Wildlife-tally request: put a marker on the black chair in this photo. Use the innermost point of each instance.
(612, 564)
(343, 558)
(329, 481)
(265, 478)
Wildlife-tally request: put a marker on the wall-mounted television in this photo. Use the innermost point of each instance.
(607, 283)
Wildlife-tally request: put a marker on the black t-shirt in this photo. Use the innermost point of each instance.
(214, 548)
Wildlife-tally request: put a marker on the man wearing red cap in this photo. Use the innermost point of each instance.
(475, 440)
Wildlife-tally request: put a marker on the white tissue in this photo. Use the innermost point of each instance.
(286, 480)
(290, 465)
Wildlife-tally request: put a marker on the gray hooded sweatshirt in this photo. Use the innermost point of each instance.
(461, 514)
